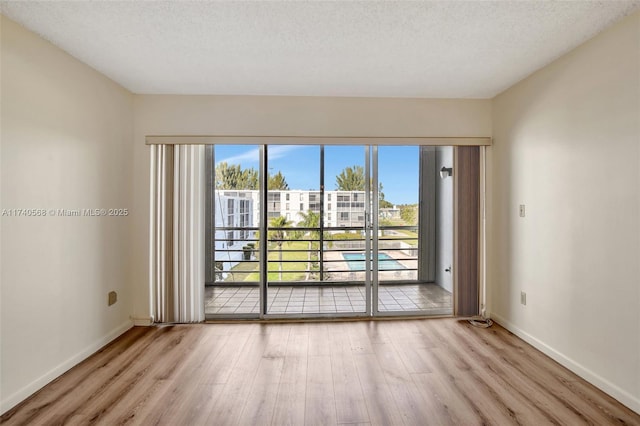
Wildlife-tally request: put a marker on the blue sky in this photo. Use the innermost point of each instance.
(300, 165)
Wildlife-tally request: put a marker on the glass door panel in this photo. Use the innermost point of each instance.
(316, 230)
(293, 213)
(398, 228)
(236, 204)
(346, 246)
(408, 220)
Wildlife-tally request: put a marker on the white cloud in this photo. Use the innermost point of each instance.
(252, 156)
(279, 151)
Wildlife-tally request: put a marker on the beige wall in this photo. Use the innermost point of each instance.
(567, 145)
(66, 144)
(277, 116)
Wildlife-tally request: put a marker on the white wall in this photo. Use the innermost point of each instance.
(567, 145)
(444, 219)
(66, 144)
(273, 116)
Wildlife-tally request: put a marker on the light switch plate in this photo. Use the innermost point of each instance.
(522, 210)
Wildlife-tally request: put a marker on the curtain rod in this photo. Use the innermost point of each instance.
(314, 140)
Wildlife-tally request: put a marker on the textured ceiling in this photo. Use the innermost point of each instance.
(441, 49)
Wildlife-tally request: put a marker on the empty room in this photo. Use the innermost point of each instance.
(320, 213)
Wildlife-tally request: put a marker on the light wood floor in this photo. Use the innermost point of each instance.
(413, 372)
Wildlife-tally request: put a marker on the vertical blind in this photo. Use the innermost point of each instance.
(177, 242)
(466, 256)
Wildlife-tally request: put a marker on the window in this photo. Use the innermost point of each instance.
(230, 215)
(314, 201)
(273, 204)
(234, 209)
(330, 249)
(245, 219)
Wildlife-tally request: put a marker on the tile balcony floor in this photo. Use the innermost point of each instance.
(401, 298)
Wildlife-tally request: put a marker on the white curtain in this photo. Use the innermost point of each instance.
(177, 246)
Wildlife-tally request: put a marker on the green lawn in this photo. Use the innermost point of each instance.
(410, 234)
(274, 264)
(249, 271)
(407, 238)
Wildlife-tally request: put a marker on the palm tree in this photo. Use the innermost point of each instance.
(278, 235)
(234, 177)
(310, 220)
(277, 182)
(351, 179)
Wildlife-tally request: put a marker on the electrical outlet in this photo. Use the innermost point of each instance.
(523, 298)
(113, 297)
(522, 210)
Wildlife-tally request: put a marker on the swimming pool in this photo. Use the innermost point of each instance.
(355, 261)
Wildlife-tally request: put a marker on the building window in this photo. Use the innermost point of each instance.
(230, 218)
(245, 219)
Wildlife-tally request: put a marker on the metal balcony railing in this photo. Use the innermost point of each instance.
(314, 256)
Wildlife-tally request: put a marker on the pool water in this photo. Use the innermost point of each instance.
(355, 261)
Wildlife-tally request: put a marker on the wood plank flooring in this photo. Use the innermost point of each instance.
(400, 372)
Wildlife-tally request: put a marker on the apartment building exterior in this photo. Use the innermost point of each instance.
(240, 209)
(341, 208)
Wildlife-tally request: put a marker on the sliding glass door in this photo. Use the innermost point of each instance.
(414, 214)
(346, 227)
(316, 219)
(333, 231)
(233, 262)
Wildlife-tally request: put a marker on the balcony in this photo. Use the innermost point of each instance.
(303, 279)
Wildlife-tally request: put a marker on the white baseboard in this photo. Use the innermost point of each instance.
(603, 384)
(12, 400)
(142, 321)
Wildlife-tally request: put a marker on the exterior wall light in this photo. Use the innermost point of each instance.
(446, 171)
